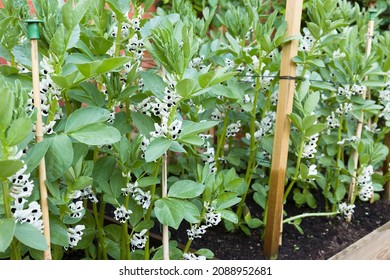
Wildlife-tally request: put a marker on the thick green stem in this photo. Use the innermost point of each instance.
(221, 141)
(149, 211)
(15, 252)
(297, 168)
(125, 249)
(304, 215)
(252, 149)
(102, 248)
(338, 158)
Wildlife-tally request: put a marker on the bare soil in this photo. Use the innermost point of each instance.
(322, 238)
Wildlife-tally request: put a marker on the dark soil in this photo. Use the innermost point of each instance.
(322, 238)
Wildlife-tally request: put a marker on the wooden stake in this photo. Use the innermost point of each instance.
(165, 233)
(282, 131)
(359, 127)
(33, 34)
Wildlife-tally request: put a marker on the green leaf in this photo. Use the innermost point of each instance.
(98, 67)
(191, 212)
(119, 7)
(18, 131)
(169, 212)
(297, 121)
(144, 123)
(30, 236)
(214, 77)
(228, 215)
(315, 129)
(59, 157)
(186, 87)
(157, 148)
(35, 154)
(6, 107)
(177, 148)
(58, 232)
(308, 121)
(206, 253)
(311, 102)
(233, 43)
(73, 13)
(85, 116)
(154, 83)
(9, 167)
(192, 140)
(147, 224)
(227, 199)
(7, 230)
(190, 127)
(185, 189)
(97, 134)
(148, 181)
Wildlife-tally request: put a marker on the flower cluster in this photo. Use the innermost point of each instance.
(76, 209)
(193, 257)
(332, 121)
(142, 198)
(74, 235)
(365, 183)
(232, 129)
(307, 41)
(87, 193)
(163, 130)
(264, 126)
(346, 210)
(211, 218)
(210, 157)
(122, 214)
(310, 148)
(21, 189)
(138, 240)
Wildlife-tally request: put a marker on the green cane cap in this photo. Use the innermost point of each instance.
(33, 28)
(372, 13)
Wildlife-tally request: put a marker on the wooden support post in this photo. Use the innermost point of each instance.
(282, 131)
(33, 34)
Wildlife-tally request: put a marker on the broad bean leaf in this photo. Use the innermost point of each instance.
(169, 212)
(185, 189)
(7, 230)
(30, 236)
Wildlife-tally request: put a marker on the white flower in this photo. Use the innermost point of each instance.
(130, 188)
(192, 256)
(229, 63)
(232, 129)
(76, 209)
(310, 148)
(89, 194)
(312, 170)
(364, 181)
(138, 240)
(346, 209)
(344, 108)
(122, 214)
(337, 54)
(196, 231)
(142, 198)
(332, 121)
(307, 41)
(74, 236)
(216, 115)
(111, 118)
(31, 215)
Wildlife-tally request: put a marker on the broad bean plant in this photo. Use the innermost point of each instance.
(123, 88)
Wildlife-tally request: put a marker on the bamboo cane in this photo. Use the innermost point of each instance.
(165, 233)
(33, 35)
(272, 237)
(359, 127)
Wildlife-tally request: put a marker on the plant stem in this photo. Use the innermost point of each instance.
(297, 168)
(125, 250)
(304, 215)
(15, 252)
(252, 150)
(149, 211)
(338, 158)
(221, 141)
